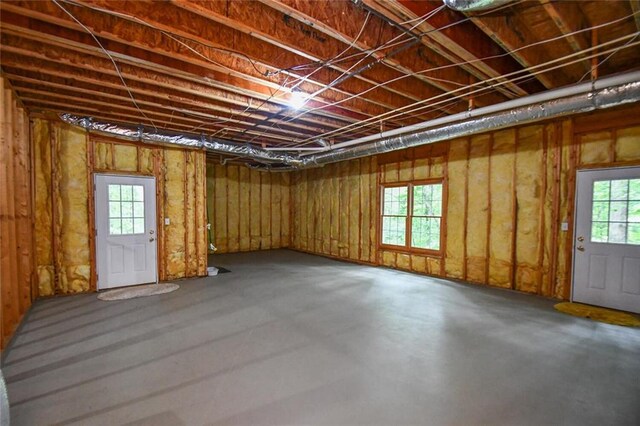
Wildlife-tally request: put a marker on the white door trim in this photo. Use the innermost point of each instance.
(102, 233)
(587, 237)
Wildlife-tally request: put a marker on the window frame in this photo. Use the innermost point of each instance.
(406, 248)
(609, 201)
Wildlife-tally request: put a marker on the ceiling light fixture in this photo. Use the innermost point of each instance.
(297, 99)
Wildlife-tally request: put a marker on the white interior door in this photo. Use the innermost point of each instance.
(126, 248)
(606, 260)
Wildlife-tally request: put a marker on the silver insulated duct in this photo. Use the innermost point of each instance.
(606, 93)
(475, 5)
(145, 134)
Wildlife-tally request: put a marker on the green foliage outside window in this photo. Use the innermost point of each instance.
(615, 213)
(416, 208)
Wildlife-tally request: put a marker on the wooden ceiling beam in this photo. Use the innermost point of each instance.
(36, 65)
(138, 42)
(635, 8)
(477, 70)
(23, 78)
(507, 31)
(258, 42)
(79, 69)
(568, 17)
(449, 34)
(142, 72)
(184, 23)
(197, 118)
(300, 33)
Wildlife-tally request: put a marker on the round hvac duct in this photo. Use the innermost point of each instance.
(474, 5)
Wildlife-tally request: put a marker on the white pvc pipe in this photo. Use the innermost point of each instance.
(545, 96)
(302, 148)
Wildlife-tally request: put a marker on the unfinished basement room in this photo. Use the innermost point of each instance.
(320, 212)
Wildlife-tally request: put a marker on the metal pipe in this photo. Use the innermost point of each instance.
(586, 97)
(585, 102)
(503, 106)
(144, 134)
(474, 5)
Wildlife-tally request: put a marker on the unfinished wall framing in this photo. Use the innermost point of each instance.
(508, 193)
(248, 209)
(333, 209)
(17, 252)
(66, 158)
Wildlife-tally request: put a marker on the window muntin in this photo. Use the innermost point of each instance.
(615, 213)
(126, 209)
(427, 216)
(412, 216)
(394, 216)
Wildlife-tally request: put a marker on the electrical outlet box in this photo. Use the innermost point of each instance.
(167, 221)
(564, 226)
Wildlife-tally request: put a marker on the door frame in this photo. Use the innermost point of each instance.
(93, 232)
(575, 217)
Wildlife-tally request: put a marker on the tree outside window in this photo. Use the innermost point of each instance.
(412, 216)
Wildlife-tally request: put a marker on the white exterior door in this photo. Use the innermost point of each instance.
(606, 260)
(126, 249)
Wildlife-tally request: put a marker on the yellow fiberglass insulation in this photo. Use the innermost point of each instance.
(72, 225)
(174, 210)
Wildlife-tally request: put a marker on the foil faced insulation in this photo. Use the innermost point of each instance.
(474, 5)
(144, 134)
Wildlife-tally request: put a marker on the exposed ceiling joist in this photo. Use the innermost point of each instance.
(364, 31)
(141, 42)
(268, 56)
(362, 67)
(569, 18)
(451, 35)
(635, 7)
(504, 28)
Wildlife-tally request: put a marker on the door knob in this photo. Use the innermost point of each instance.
(580, 248)
(151, 232)
(151, 239)
(581, 238)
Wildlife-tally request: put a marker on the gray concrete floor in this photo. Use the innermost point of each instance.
(290, 338)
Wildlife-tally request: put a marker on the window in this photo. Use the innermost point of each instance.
(126, 209)
(615, 215)
(412, 216)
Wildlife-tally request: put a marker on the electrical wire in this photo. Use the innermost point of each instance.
(477, 60)
(405, 44)
(458, 64)
(335, 58)
(142, 22)
(176, 39)
(346, 58)
(482, 59)
(517, 79)
(420, 105)
(607, 58)
(115, 65)
(422, 34)
(347, 74)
